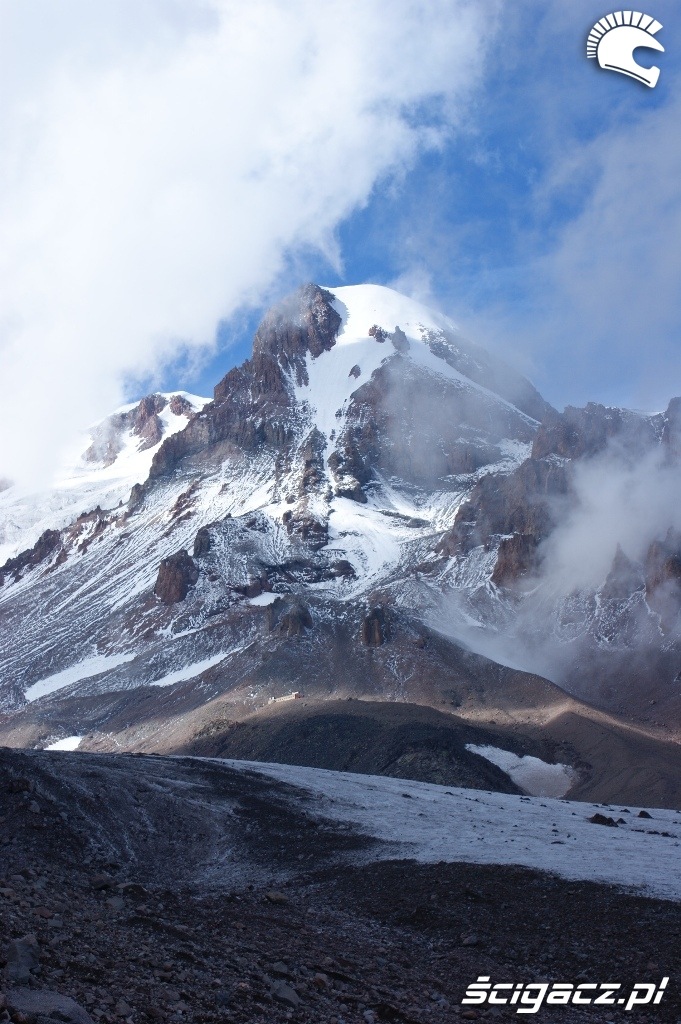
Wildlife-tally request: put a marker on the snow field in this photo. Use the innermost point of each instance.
(536, 777)
(81, 670)
(68, 743)
(431, 823)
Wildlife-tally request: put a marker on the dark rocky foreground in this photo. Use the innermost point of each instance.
(171, 889)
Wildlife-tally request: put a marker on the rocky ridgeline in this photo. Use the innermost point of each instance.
(516, 513)
(142, 421)
(252, 404)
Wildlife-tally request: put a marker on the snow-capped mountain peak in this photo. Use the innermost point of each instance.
(368, 479)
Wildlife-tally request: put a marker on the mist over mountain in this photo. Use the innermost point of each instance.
(370, 506)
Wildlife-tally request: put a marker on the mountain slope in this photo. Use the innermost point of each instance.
(292, 480)
(364, 503)
(253, 891)
(105, 463)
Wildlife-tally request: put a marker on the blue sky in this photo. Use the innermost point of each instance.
(479, 226)
(170, 169)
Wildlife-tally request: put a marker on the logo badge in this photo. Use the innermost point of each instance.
(614, 38)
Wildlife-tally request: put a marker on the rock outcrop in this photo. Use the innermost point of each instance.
(523, 503)
(289, 618)
(202, 542)
(251, 408)
(43, 548)
(176, 575)
(375, 628)
(578, 433)
(142, 421)
(517, 557)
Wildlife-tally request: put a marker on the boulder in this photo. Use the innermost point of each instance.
(41, 1004)
(22, 959)
(176, 575)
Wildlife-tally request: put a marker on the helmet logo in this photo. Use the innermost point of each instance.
(614, 38)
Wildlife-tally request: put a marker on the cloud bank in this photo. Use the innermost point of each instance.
(159, 167)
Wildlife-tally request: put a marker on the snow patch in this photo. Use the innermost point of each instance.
(81, 670)
(331, 385)
(189, 671)
(262, 600)
(68, 743)
(536, 777)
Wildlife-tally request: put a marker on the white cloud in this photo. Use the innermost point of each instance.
(619, 501)
(576, 270)
(158, 166)
(614, 275)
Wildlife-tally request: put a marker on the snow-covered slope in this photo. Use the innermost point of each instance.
(87, 479)
(326, 467)
(336, 376)
(432, 823)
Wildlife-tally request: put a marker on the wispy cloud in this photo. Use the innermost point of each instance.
(615, 271)
(551, 231)
(150, 192)
(618, 502)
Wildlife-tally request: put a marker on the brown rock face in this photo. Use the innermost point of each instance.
(671, 434)
(151, 433)
(306, 528)
(202, 542)
(663, 578)
(375, 628)
(304, 322)
(406, 423)
(295, 621)
(251, 408)
(579, 432)
(522, 503)
(146, 422)
(312, 454)
(181, 406)
(143, 421)
(147, 408)
(288, 618)
(136, 496)
(517, 558)
(176, 575)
